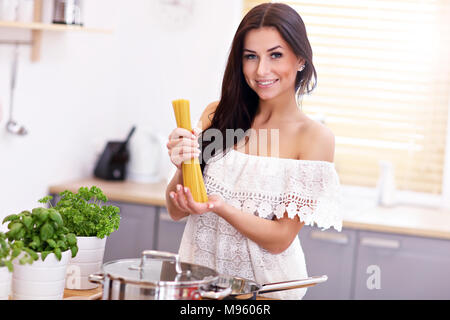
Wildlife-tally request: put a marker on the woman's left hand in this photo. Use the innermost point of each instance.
(184, 200)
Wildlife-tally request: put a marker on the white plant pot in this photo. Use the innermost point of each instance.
(42, 280)
(5, 283)
(88, 260)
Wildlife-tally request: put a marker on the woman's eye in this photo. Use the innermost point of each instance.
(250, 56)
(276, 55)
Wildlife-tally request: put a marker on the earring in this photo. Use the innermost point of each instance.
(301, 68)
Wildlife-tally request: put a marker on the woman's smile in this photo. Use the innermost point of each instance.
(266, 83)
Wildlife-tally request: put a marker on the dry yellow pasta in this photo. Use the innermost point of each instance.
(192, 173)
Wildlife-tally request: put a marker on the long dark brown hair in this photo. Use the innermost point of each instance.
(238, 103)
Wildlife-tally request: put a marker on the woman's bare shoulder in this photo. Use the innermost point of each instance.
(207, 115)
(320, 142)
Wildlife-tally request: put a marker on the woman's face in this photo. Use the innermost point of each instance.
(269, 64)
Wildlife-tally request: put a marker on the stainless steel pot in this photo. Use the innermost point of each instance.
(157, 276)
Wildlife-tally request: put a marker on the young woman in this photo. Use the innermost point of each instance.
(258, 201)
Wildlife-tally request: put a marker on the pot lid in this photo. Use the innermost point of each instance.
(158, 268)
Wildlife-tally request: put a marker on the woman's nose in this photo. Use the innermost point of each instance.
(263, 67)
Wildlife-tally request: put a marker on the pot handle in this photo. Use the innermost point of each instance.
(162, 255)
(293, 284)
(217, 295)
(96, 278)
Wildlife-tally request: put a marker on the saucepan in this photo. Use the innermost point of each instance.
(159, 275)
(245, 289)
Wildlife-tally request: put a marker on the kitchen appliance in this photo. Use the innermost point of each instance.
(161, 275)
(149, 161)
(67, 12)
(112, 163)
(12, 126)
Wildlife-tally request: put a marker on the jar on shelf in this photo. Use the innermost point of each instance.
(67, 12)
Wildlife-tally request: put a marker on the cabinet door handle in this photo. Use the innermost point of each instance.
(329, 237)
(380, 243)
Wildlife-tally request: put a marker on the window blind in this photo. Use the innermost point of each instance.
(383, 86)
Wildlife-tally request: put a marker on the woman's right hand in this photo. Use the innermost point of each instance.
(183, 145)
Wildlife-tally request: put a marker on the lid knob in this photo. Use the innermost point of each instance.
(160, 255)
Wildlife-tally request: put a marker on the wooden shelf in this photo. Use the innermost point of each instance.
(50, 27)
(37, 27)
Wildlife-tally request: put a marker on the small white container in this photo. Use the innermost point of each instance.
(42, 280)
(88, 260)
(5, 283)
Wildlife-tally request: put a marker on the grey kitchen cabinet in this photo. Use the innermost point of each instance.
(329, 253)
(170, 232)
(390, 266)
(135, 234)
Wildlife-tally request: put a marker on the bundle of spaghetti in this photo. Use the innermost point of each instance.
(192, 173)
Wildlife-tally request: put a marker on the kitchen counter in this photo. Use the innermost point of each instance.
(121, 191)
(96, 294)
(402, 219)
(92, 294)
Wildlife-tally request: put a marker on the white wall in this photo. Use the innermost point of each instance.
(90, 88)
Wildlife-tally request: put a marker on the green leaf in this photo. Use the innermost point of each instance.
(37, 211)
(15, 252)
(62, 245)
(14, 228)
(28, 222)
(55, 216)
(36, 240)
(71, 239)
(18, 244)
(33, 245)
(11, 217)
(26, 259)
(46, 231)
(45, 199)
(44, 254)
(51, 243)
(32, 254)
(74, 250)
(9, 265)
(43, 215)
(20, 234)
(57, 252)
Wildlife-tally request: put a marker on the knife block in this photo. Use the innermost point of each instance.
(112, 163)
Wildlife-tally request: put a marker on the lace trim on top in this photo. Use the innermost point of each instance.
(268, 187)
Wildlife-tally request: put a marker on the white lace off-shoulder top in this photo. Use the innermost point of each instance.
(267, 187)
